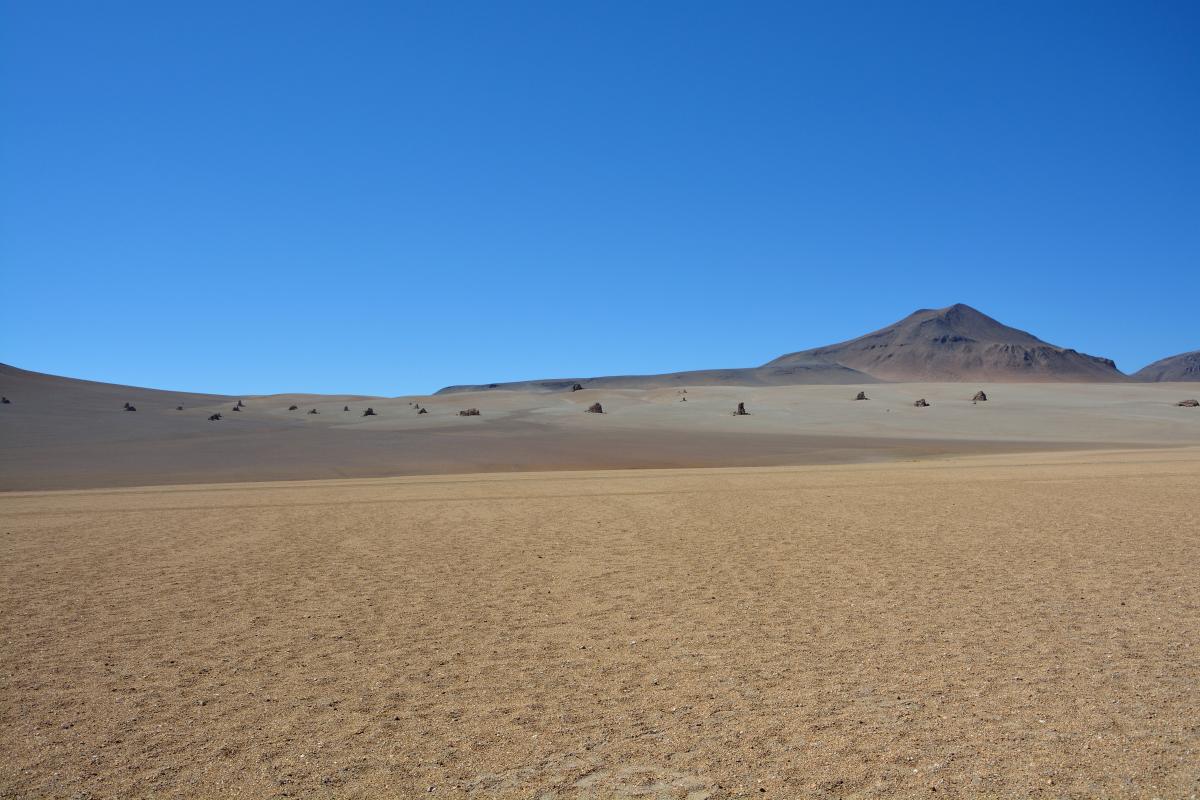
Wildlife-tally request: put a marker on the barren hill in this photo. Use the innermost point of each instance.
(1183, 367)
(957, 343)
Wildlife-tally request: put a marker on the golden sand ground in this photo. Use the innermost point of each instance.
(1008, 626)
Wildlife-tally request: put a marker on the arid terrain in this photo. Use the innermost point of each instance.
(865, 585)
(61, 433)
(1012, 626)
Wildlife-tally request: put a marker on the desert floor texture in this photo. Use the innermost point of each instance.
(1000, 625)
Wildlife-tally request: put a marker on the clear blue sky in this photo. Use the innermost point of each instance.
(390, 197)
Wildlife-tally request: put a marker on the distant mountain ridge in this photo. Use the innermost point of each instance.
(956, 343)
(1182, 367)
(959, 343)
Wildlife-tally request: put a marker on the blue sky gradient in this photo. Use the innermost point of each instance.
(391, 197)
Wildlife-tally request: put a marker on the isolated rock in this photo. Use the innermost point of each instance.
(595, 408)
(741, 411)
(861, 396)
(237, 408)
(214, 418)
(370, 412)
(922, 403)
(469, 412)
(979, 397)
(4, 401)
(1189, 403)
(129, 407)
(576, 387)
(423, 411)
(179, 408)
(347, 408)
(240, 404)
(292, 408)
(683, 399)
(313, 411)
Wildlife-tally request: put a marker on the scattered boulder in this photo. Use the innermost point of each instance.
(240, 404)
(4, 401)
(214, 418)
(179, 408)
(595, 408)
(370, 412)
(129, 407)
(292, 408)
(576, 387)
(423, 411)
(979, 397)
(347, 408)
(922, 403)
(741, 411)
(1189, 403)
(861, 396)
(469, 412)
(237, 408)
(683, 399)
(313, 411)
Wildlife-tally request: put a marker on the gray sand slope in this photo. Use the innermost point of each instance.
(65, 433)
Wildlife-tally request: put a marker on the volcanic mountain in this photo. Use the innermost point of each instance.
(1183, 367)
(956, 343)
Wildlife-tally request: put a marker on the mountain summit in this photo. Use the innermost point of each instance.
(958, 343)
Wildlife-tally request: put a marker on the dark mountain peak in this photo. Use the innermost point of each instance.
(957, 343)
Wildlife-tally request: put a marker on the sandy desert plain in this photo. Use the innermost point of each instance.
(826, 598)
